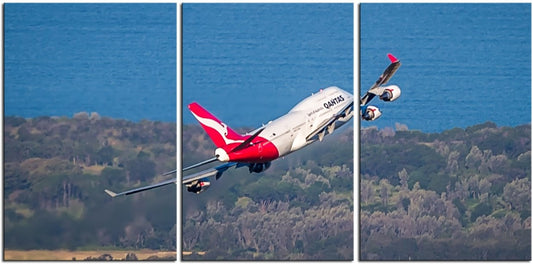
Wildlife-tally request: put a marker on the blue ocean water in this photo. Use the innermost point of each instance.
(118, 60)
(251, 63)
(462, 64)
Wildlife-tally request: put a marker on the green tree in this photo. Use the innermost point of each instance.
(518, 194)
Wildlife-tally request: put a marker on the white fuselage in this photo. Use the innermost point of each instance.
(289, 132)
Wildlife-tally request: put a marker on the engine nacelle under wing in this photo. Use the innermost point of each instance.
(390, 93)
(370, 113)
(198, 186)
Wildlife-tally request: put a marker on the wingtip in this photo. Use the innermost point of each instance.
(392, 58)
(110, 193)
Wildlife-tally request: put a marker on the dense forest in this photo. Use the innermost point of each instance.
(463, 194)
(55, 171)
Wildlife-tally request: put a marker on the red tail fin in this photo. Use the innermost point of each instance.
(219, 132)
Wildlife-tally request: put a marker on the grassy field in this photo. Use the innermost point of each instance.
(81, 255)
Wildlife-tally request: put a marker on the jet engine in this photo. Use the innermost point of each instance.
(390, 93)
(258, 167)
(198, 186)
(371, 113)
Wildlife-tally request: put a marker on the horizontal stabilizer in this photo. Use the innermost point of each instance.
(246, 143)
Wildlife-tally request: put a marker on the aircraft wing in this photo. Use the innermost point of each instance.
(330, 123)
(216, 171)
(377, 88)
(157, 185)
(140, 189)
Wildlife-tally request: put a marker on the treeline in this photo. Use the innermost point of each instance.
(301, 208)
(463, 194)
(55, 171)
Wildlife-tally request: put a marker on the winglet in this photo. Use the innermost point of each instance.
(392, 58)
(112, 194)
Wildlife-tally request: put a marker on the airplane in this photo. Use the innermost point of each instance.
(307, 122)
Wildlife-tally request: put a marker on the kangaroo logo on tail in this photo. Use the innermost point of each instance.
(218, 131)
